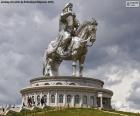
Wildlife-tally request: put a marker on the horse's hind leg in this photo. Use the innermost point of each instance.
(48, 71)
(74, 68)
(81, 65)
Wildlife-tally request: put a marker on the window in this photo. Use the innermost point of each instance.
(68, 98)
(45, 99)
(37, 84)
(77, 99)
(29, 101)
(58, 83)
(33, 102)
(92, 100)
(60, 98)
(85, 100)
(72, 84)
(46, 84)
(52, 99)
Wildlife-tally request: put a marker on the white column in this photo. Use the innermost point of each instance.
(48, 99)
(27, 100)
(88, 101)
(35, 98)
(64, 100)
(72, 101)
(56, 99)
(100, 95)
(101, 102)
(40, 98)
(81, 100)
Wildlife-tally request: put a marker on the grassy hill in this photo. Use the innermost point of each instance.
(69, 112)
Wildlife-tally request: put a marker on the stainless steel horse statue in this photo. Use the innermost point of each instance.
(77, 49)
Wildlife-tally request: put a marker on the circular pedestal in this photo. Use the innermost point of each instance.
(66, 91)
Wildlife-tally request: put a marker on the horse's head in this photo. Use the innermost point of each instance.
(92, 31)
(92, 26)
(87, 32)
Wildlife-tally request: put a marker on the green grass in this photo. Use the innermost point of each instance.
(67, 112)
(126, 113)
(74, 112)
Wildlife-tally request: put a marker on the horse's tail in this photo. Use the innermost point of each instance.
(44, 61)
(43, 70)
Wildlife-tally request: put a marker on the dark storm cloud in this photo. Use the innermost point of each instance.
(117, 26)
(23, 38)
(26, 30)
(134, 97)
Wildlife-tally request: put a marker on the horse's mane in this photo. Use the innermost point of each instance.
(83, 26)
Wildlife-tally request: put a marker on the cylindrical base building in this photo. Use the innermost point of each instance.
(66, 91)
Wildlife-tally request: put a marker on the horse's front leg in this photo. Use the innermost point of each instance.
(81, 66)
(49, 71)
(45, 69)
(74, 68)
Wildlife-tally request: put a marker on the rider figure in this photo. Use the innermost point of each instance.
(68, 24)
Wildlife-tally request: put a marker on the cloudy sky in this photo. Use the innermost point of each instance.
(26, 30)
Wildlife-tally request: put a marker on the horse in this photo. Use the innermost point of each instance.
(78, 48)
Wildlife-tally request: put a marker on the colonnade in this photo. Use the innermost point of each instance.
(61, 99)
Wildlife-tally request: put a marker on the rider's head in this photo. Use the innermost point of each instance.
(68, 8)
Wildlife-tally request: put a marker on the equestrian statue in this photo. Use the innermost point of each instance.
(71, 44)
